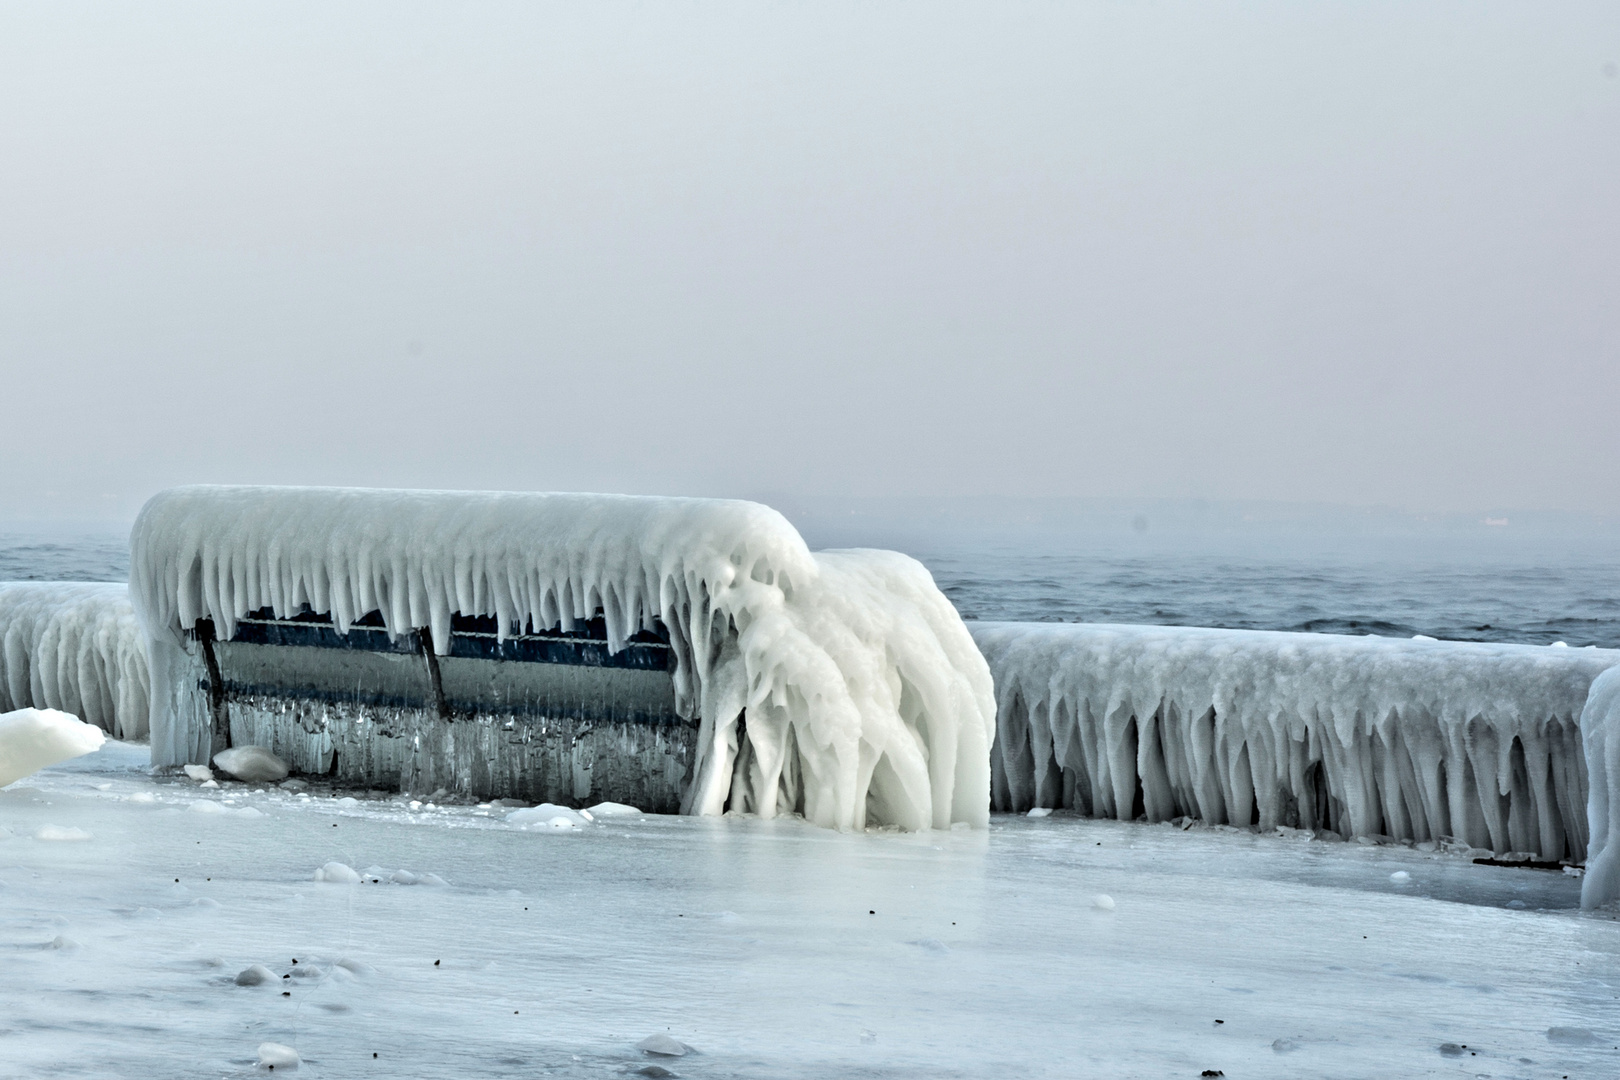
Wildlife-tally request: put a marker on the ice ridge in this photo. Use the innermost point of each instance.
(73, 646)
(1368, 736)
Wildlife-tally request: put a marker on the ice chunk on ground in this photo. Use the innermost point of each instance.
(866, 702)
(199, 773)
(614, 809)
(663, 1045)
(31, 739)
(60, 943)
(1400, 877)
(251, 763)
(1365, 736)
(274, 1055)
(255, 975)
(549, 815)
(1040, 811)
(338, 874)
(74, 646)
(1103, 902)
(60, 832)
(1570, 1036)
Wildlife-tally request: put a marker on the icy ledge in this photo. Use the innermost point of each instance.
(866, 702)
(1364, 736)
(73, 646)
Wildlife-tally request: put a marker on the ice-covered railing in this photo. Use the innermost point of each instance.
(866, 701)
(1410, 739)
(73, 646)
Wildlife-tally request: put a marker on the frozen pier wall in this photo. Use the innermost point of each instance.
(837, 684)
(1370, 736)
(73, 646)
(1600, 729)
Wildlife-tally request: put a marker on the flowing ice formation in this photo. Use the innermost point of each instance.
(1365, 736)
(841, 684)
(1599, 722)
(73, 646)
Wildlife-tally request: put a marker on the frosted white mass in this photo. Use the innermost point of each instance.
(547, 815)
(200, 773)
(865, 700)
(275, 1055)
(1600, 730)
(1365, 736)
(338, 874)
(68, 833)
(613, 809)
(31, 739)
(255, 975)
(74, 646)
(251, 763)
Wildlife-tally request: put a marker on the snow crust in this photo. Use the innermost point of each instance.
(1600, 731)
(841, 685)
(31, 739)
(1412, 739)
(899, 946)
(74, 646)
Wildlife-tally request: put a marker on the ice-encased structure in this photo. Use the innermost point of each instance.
(1599, 724)
(842, 685)
(73, 646)
(1364, 736)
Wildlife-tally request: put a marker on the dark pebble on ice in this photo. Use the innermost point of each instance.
(1212, 1072)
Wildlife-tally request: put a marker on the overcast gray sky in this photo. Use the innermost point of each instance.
(1353, 253)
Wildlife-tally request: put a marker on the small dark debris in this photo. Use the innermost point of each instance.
(1212, 1072)
(654, 1070)
(435, 963)
(1522, 864)
(1220, 1021)
(871, 912)
(286, 993)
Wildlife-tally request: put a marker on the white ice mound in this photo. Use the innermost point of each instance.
(254, 764)
(338, 874)
(1600, 731)
(74, 646)
(31, 739)
(274, 1055)
(614, 809)
(547, 815)
(841, 685)
(1362, 735)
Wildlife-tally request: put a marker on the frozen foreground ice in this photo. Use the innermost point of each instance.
(135, 910)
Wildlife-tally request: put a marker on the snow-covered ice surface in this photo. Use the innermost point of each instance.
(1414, 739)
(769, 947)
(73, 646)
(864, 694)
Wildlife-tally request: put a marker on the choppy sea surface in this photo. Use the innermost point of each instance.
(1462, 588)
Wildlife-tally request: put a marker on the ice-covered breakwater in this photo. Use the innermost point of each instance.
(837, 684)
(1370, 736)
(73, 646)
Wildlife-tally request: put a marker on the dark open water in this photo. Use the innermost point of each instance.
(1453, 588)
